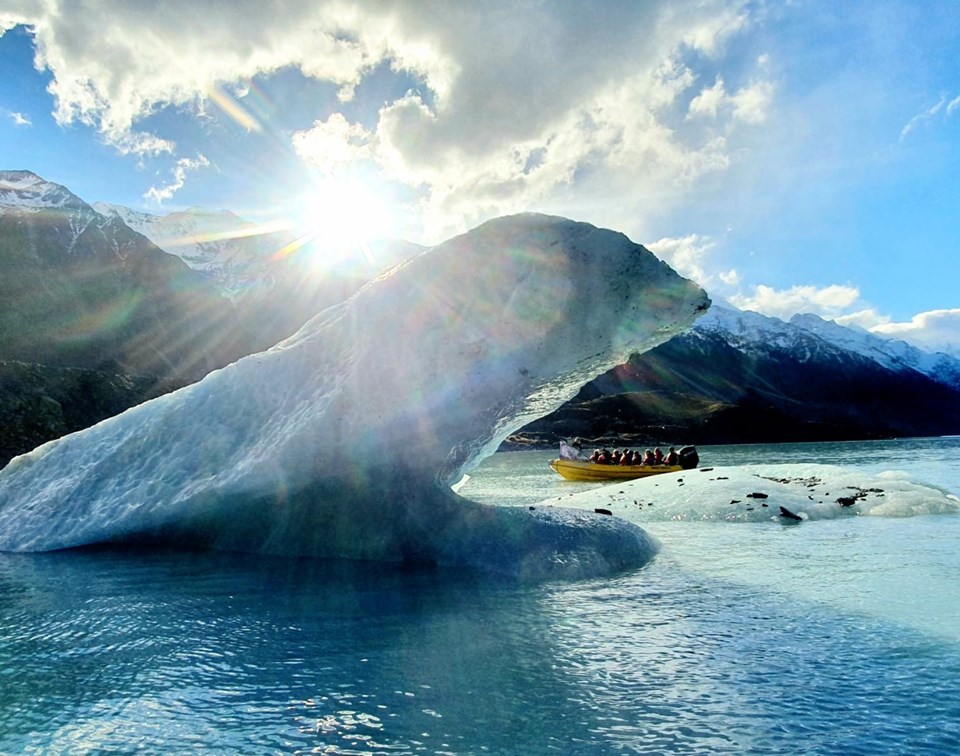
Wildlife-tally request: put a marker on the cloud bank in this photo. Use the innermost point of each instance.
(514, 106)
(616, 113)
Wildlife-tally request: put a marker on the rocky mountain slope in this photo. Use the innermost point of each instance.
(105, 307)
(86, 289)
(741, 377)
(81, 289)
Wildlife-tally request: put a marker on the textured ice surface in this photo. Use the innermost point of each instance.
(755, 493)
(343, 440)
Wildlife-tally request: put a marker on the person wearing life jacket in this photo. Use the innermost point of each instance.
(648, 457)
(626, 458)
(672, 457)
(657, 456)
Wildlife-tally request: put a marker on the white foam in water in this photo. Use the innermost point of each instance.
(343, 441)
(755, 493)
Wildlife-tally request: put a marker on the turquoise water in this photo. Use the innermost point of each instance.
(833, 637)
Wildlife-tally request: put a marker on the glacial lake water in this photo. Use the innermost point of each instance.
(834, 637)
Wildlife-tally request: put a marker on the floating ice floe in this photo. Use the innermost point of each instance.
(788, 493)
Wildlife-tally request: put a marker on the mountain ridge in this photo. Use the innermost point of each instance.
(89, 287)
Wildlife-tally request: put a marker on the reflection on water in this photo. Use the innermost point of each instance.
(182, 652)
(828, 639)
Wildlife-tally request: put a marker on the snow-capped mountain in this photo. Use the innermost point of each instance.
(895, 354)
(25, 194)
(82, 289)
(23, 191)
(105, 287)
(234, 253)
(743, 377)
(805, 334)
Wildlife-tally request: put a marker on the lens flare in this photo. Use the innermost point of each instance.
(339, 218)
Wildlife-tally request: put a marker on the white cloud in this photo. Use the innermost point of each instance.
(710, 37)
(730, 277)
(183, 165)
(868, 319)
(332, 143)
(923, 117)
(953, 105)
(708, 102)
(827, 301)
(19, 119)
(514, 104)
(749, 104)
(685, 255)
(935, 330)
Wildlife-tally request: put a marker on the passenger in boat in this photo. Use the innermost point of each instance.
(604, 457)
(569, 451)
(657, 456)
(626, 458)
(672, 457)
(636, 458)
(647, 457)
(595, 457)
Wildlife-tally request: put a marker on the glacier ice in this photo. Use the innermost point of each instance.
(344, 440)
(755, 493)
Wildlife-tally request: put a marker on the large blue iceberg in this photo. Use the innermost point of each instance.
(343, 440)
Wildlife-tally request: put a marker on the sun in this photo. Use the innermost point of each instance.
(338, 218)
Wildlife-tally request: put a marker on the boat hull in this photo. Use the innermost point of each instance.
(572, 469)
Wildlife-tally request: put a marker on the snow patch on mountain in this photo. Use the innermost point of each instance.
(807, 336)
(750, 332)
(235, 253)
(23, 191)
(894, 354)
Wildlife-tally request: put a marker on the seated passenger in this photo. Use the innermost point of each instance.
(647, 457)
(604, 457)
(672, 457)
(626, 458)
(595, 457)
(657, 456)
(615, 457)
(636, 458)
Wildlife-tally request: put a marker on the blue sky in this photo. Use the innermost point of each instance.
(791, 156)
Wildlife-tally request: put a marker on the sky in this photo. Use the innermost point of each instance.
(792, 156)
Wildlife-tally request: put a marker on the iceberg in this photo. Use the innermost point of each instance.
(343, 441)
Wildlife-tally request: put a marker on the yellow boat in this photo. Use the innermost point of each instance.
(574, 469)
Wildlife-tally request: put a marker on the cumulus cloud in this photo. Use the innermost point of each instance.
(827, 301)
(333, 142)
(867, 319)
(748, 105)
(512, 105)
(751, 103)
(166, 191)
(935, 330)
(708, 102)
(685, 255)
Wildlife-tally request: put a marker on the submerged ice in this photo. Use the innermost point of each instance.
(343, 440)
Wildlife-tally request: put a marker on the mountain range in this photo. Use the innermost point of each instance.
(105, 307)
(742, 377)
